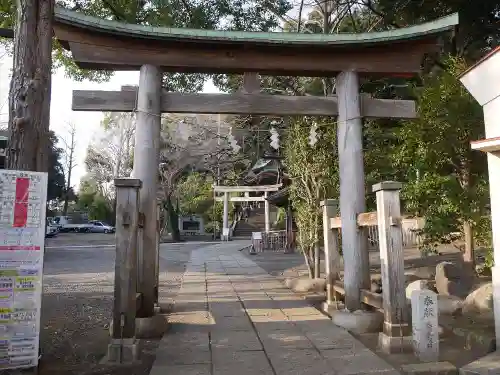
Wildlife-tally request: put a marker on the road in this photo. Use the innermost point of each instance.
(77, 302)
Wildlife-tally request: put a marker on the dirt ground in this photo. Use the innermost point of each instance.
(77, 303)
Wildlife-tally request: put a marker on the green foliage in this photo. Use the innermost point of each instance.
(446, 181)
(478, 30)
(195, 195)
(56, 180)
(314, 174)
(91, 200)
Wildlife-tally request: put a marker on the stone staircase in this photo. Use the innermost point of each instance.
(256, 223)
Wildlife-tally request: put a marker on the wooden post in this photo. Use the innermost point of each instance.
(332, 254)
(266, 213)
(225, 217)
(123, 347)
(146, 158)
(352, 189)
(396, 335)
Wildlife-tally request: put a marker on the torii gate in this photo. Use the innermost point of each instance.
(244, 189)
(103, 44)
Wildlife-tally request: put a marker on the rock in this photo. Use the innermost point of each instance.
(376, 285)
(409, 278)
(427, 272)
(453, 280)
(304, 285)
(449, 304)
(416, 285)
(359, 322)
(480, 302)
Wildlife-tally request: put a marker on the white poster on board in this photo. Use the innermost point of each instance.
(23, 197)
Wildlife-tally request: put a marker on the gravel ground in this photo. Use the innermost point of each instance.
(77, 304)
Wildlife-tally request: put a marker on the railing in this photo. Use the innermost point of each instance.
(368, 220)
(388, 231)
(274, 240)
(409, 229)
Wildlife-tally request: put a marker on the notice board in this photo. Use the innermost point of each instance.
(23, 197)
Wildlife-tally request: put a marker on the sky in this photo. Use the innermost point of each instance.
(87, 124)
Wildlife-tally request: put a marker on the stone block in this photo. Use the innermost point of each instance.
(151, 327)
(305, 285)
(181, 370)
(488, 365)
(394, 345)
(228, 362)
(122, 351)
(191, 340)
(298, 362)
(181, 356)
(347, 362)
(235, 341)
(331, 307)
(284, 339)
(359, 321)
(430, 368)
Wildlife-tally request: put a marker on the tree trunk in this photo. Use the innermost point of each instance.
(465, 182)
(309, 264)
(468, 255)
(316, 261)
(68, 184)
(173, 219)
(30, 88)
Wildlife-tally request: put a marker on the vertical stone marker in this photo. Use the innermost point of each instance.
(424, 306)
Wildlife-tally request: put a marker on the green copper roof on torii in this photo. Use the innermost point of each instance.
(421, 31)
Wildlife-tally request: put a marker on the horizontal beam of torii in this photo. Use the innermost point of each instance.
(244, 189)
(242, 199)
(240, 103)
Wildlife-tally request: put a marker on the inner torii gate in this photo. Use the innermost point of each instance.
(102, 44)
(244, 189)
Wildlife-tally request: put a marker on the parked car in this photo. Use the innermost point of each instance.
(51, 230)
(71, 224)
(100, 227)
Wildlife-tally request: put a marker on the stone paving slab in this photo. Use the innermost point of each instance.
(233, 318)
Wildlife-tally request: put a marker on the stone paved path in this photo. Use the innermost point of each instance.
(233, 318)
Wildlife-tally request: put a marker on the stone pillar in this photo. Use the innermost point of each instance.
(352, 189)
(225, 216)
(266, 213)
(157, 278)
(146, 158)
(396, 335)
(123, 346)
(332, 254)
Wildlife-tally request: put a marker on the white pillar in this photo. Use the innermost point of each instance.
(146, 158)
(352, 188)
(266, 212)
(396, 334)
(225, 217)
(492, 130)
